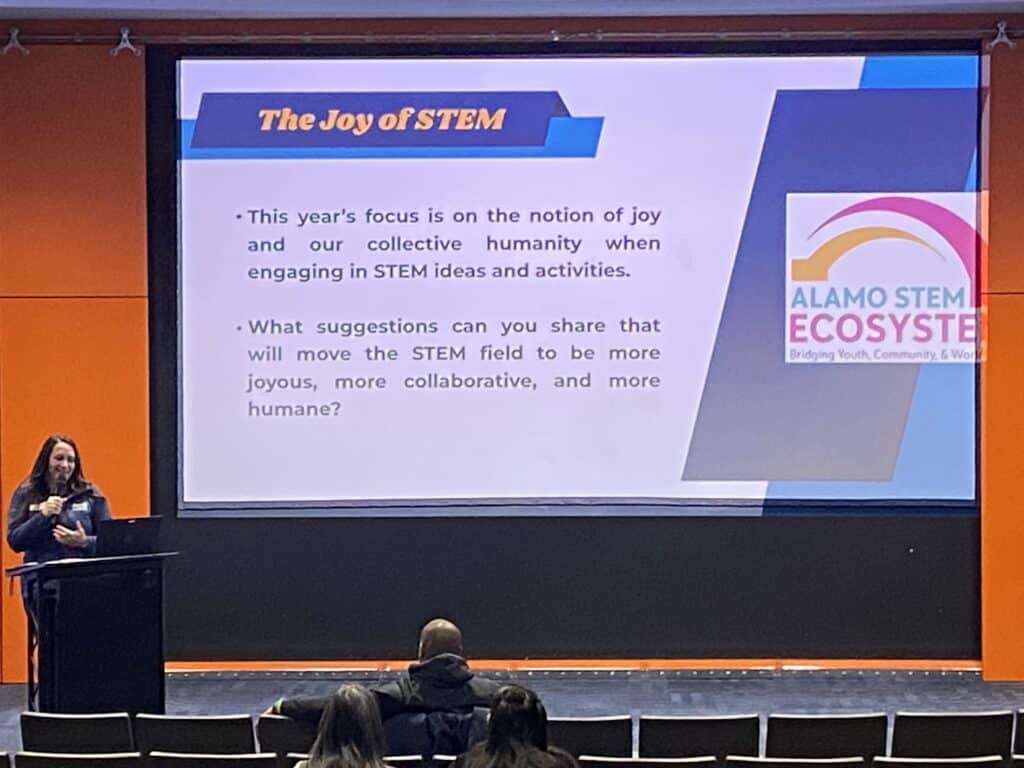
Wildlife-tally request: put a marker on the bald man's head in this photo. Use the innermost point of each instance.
(440, 636)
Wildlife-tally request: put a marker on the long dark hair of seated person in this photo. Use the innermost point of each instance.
(350, 733)
(517, 735)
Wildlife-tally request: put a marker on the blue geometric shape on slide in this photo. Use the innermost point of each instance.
(761, 418)
(937, 457)
(937, 453)
(921, 71)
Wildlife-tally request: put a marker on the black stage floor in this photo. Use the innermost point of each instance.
(604, 692)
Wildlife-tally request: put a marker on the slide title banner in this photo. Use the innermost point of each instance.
(465, 119)
(424, 282)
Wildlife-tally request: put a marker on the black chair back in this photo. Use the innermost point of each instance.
(990, 761)
(283, 735)
(740, 761)
(859, 735)
(697, 736)
(408, 761)
(952, 734)
(79, 734)
(58, 760)
(605, 736)
(593, 761)
(228, 734)
(211, 760)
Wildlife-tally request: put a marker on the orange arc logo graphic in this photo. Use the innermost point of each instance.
(816, 266)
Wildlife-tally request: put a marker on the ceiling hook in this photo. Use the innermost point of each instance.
(1001, 37)
(13, 44)
(125, 44)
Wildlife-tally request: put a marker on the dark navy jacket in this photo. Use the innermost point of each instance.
(33, 535)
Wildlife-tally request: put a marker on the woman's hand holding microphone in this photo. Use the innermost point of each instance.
(69, 537)
(51, 506)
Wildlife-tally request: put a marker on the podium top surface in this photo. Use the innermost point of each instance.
(74, 563)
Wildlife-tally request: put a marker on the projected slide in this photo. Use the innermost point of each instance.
(576, 281)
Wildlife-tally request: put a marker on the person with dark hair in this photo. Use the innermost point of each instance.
(517, 735)
(429, 709)
(55, 511)
(350, 734)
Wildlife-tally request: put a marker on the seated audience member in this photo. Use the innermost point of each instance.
(429, 709)
(351, 734)
(517, 735)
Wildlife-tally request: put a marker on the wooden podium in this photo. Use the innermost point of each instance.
(95, 633)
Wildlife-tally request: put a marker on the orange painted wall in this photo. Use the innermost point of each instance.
(73, 343)
(1002, 386)
(73, 307)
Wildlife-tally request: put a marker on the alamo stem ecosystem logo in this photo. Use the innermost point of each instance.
(881, 278)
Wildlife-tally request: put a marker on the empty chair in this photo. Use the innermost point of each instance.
(991, 761)
(80, 734)
(284, 735)
(698, 736)
(211, 760)
(59, 760)
(1018, 739)
(858, 735)
(228, 734)
(952, 734)
(742, 761)
(593, 761)
(606, 736)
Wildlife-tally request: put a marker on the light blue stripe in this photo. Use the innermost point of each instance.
(920, 71)
(972, 174)
(937, 455)
(567, 137)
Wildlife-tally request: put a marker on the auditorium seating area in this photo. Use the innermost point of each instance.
(905, 740)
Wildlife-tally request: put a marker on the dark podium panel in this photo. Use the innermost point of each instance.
(96, 627)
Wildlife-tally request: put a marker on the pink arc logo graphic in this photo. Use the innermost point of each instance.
(961, 236)
(885, 305)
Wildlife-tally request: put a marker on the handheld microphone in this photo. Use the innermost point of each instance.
(59, 489)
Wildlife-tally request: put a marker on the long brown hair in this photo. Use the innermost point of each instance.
(351, 734)
(38, 480)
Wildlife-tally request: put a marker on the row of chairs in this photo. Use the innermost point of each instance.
(793, 736)
(152, 760)
(184, 760)
(119, 733)
(270, 760)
